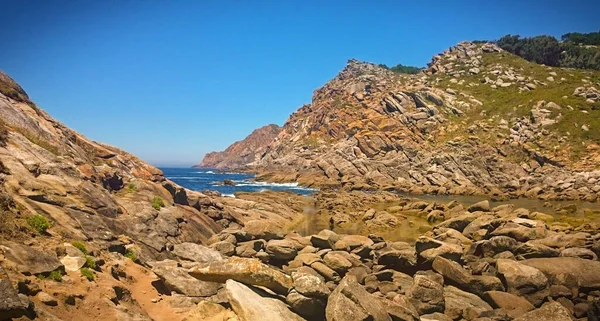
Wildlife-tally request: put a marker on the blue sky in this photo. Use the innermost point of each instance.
(172, 80)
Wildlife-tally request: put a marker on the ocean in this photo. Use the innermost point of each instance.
(199, 179)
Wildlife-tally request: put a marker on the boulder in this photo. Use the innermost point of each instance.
(549, 312)
(251, 304)
(337, 261)
(250, 248)
(11, 305)
(247, 271)
(512, 304)
(326, 239)
(350, 242)
(29, 260)
(571, 272)
(225, 248)
(47, 299)
(523, 280)
(284, 250)
(264, 229)
(579, 252)
(400, 309)
(73, 263)
(401, 260)
(308, 307)
(461, 304)
(310, 285)
(351, 302)
(483, 206)
(206, 310)
(178, 280)
(325, 271)
(197, 253)
(455, 274)
(426, 295)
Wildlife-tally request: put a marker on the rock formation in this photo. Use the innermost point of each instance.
(242, 152)
(478, 120)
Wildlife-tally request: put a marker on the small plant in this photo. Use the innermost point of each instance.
(90, 262)
(157, 203)
(55, 275)
(80, 246)
(131, 255)
(88, 273)
(130, 188)
(38, 222)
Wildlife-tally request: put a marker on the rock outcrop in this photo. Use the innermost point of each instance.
(448, 130)
(242, 152)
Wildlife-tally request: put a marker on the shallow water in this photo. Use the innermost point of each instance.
(533, 205)
(411, 226)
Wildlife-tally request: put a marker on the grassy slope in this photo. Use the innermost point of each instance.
(509, 104)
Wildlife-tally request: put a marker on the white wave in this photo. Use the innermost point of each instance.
(209, 172)
(267, 184)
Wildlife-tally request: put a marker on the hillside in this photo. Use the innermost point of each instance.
(242, 152)
(478, 120)
(57, 187)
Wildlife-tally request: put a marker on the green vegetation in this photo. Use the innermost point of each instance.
(55, 275)
(130, 188)
(402, 69)
(157, 203)
(592, 38)
(88, 273)
(549, 51)
(90, 262)
(509, 103)
(130, 254)
(38, 223)
(81, 246)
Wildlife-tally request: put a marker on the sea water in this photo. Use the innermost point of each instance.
(200, 179)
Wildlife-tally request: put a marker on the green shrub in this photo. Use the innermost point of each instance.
(81, 246)
(90, 262)
(157, 203)
(131, 255)
(130, 188)
(38, 222)
(88, 273)
(55, 275)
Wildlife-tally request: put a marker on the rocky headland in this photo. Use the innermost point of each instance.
(479, 120)
(243, 152)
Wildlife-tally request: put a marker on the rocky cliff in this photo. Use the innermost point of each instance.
(57, 187)
(242, 152)
(478, 120)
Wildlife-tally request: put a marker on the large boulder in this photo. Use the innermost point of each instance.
(197, 253)
(251, 304)
(178, 280)
(461, 304)
(549, 312)
(351, 302)
(455, 274)
(523, 280)
(29, 260)
(426, 295)
(285, 249)
(512, 304)
(571, 272)
(264, 229)
(247, 271)
(11, 305)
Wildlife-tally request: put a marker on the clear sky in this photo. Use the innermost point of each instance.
(172, 80)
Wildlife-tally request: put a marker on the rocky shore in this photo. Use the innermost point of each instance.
(476, 263)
